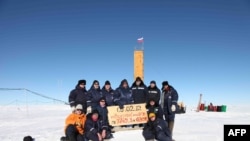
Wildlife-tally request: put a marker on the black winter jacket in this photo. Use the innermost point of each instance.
(78, 96)
(139, 93)
(109, 96)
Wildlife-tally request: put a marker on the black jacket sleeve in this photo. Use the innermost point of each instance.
(72, 97)
(89, 127)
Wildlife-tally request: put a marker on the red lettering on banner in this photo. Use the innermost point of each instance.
(130, 114)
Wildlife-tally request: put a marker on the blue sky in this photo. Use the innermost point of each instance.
(198, 46)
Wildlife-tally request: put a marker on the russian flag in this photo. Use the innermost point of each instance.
(140, 40)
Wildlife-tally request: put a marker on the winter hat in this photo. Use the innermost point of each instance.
(107, 82)
(138, 79)
(95, 112)
(102, 98)
(124, 81)
(151, 115)
(82, 82)
(28, 138)
(79, 107)
(164, 83)
(152, 82)
(95, 81)
(151, 99)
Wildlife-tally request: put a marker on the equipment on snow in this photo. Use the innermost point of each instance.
(199, 103)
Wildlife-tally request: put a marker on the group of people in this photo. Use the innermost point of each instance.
(84, 127)
(161, 105)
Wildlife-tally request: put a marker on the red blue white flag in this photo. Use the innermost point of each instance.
(140, 40)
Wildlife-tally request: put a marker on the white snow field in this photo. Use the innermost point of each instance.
(46, 123)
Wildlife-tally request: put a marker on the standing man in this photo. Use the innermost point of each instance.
(169, 98)
(139, 91)
(79, 96)
(154, 92)
(108, 93)
(123, 94)
(94, 94)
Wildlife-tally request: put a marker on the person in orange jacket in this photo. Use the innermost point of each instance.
(75, 123)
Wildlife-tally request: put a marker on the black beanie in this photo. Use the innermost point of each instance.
(151, 99)
(107, 82)
(95, 81)
(164, 83)
(138, 79)
(152, 82)
(95, 112)
(102, 98)
(82, 82)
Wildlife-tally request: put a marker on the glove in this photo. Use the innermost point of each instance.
(121, 106)
(73, 108)
(78, 124)
(173, 108)
(103, 134)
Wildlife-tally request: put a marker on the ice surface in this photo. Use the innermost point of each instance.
(46, 123)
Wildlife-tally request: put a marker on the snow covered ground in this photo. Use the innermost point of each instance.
(46, 123)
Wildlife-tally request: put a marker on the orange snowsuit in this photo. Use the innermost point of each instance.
(77, 120)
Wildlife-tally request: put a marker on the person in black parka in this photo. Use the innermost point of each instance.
(123, 94)
(153, 107)
(169, 103)
(94, 94)
(95, 128)
(108, 93)
(79, 96)
(154, 92)
(139, 91)
(103, 113)
(156, 128)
